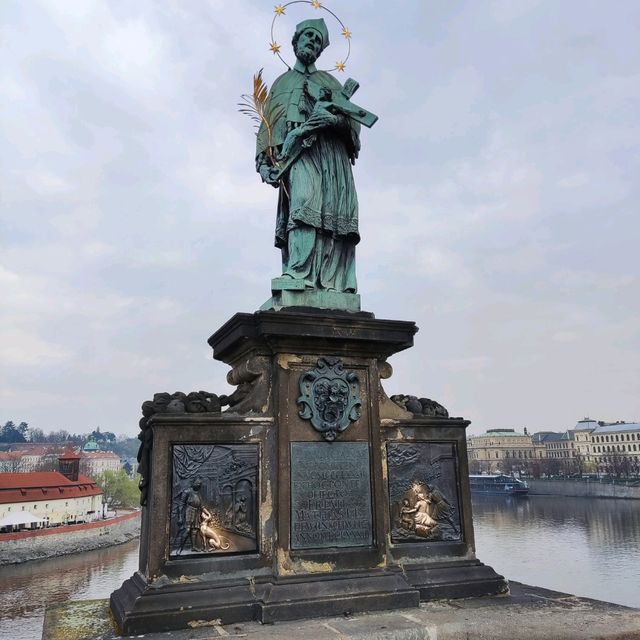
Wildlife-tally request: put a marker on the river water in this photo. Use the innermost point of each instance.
(585, 546)
(590, 547)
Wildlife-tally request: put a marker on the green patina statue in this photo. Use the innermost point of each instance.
(307, 151)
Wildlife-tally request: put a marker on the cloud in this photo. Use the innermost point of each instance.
(498, 202)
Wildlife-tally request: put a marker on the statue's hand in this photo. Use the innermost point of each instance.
(322, 118)
(269, 175)
(290, 142)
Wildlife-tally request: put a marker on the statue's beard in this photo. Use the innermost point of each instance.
(305, 56)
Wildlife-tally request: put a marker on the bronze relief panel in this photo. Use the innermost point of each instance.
(213, 499)
(423, 492)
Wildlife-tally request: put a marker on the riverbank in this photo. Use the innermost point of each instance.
(527, 613)
(24, 546)
(582, 489)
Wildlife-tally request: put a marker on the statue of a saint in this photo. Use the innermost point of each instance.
(316, 142)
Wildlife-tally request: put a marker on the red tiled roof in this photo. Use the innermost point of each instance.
(99, 454)
(69, 455)
(44, 485)
(36, 449)
(10, 455)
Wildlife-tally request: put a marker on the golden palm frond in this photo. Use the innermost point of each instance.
(255, 105)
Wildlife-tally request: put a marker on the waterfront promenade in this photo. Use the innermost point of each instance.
(584, 488)
(38, 544)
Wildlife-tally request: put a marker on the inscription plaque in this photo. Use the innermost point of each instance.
(330, 495)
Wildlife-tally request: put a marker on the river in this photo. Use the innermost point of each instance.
(590, 547)
(585, 546)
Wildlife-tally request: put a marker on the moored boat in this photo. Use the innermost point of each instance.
(497, 485)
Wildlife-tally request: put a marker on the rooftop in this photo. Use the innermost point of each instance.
(93, 455)
(91, 445)
(501, 433)
(43, 485)
(620, 427)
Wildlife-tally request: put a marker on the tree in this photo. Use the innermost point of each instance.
(550, 466)
(36, 435)
(11, 433)
(125, 447)
(474, 467)
(102, 436)
(119, 490)
(58, 436)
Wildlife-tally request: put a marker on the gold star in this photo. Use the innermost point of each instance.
(279, 10)
(340, 66)
(316, 4)
(346, 33)
(275, 47)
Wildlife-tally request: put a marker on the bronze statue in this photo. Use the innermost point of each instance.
(306, 149)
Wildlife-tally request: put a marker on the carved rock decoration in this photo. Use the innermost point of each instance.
(420, 406)
(253, 381)
(388, 409)
(329, 397)
(178, 402)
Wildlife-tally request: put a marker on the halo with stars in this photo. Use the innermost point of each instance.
(280, 10)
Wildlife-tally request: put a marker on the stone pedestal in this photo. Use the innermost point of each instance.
(313, 494)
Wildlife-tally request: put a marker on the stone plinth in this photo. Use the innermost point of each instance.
(526, 613)
(312, 495)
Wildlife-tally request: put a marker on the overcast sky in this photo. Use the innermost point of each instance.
(498, 197)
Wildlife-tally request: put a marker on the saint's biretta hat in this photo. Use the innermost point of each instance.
(317, 24)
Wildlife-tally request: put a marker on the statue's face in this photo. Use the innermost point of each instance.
(309, 46)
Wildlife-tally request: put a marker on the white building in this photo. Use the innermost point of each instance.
(46, 498)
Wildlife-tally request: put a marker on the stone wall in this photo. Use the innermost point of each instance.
(59, 541)
(582, 489)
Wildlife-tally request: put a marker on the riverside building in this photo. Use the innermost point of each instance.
(591, 447)
(47, 498)
(612, 448)
(501, 450)
(25, 457)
